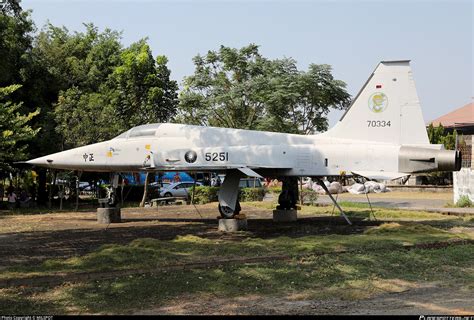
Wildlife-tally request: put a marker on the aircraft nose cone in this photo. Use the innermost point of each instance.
(41, 161)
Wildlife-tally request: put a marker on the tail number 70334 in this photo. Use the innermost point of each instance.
(216, 156)
(378, 123)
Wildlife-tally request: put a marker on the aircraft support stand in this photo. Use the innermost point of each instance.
(334, 201)
(238, 223)
(110, 208)
(108, 215)
(285, 215)
(286, 210)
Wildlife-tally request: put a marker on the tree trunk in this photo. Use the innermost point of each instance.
(145, 190)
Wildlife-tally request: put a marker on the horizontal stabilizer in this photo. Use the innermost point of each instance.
(380, 175)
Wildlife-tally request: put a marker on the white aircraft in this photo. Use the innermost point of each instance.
(382, 135)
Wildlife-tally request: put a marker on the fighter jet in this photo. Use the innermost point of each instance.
(382, 135)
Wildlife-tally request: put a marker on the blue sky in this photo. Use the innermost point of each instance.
(352, 36)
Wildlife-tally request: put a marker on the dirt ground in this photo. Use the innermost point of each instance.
(28, 239)
(420, 300)
(398, 199)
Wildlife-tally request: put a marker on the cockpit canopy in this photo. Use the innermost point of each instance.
(146, 130)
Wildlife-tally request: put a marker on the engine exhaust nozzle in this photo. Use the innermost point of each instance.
(419, 159)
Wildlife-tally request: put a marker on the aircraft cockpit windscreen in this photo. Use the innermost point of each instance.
(122, 135)
(147, 130)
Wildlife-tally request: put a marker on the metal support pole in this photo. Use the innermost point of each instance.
(194, 188)
(334, 201)
(334, 206)
(122, 184)
(368, 200)
(51, 185)
(78, 178)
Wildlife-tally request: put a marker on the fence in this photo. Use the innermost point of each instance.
(464, 144)
(463, 181)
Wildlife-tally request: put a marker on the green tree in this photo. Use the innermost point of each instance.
(439, 135)
(106, 89)
(81, 64)
(20, 64)
(15, 131)
(84, 117)
(238, 88)
(143, 90)
(16, 29)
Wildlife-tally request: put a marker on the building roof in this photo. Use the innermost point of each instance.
(462, 117)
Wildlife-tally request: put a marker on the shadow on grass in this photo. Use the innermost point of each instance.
(42, 210)
(135, 247)
(20, 302)
(151, 253)
(33, 247)
(345, 276)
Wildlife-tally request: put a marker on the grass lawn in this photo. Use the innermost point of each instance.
(374, 262)
(362, 210)
(347, 276)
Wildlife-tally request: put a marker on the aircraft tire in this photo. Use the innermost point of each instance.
(228, 213)
(166, 195)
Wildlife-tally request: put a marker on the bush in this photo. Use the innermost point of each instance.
(310, 196)
(252, 194)
(274, 189)
(464, 202)
(203, 194)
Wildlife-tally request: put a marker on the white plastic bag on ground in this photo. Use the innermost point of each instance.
(371, 186)
(308, 185)
(336, 187)
(368, 187)
(383, 188)
(356, 188)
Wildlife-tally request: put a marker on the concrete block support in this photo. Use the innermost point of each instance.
(232, 225)
(108, 215)
(284, 215)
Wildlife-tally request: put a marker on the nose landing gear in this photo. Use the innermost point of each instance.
(229, 205)
(227, 212)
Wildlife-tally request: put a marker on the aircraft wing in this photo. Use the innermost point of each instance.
(249, 171)
(380, 175)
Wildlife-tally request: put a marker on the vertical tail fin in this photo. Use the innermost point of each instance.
(386, 109)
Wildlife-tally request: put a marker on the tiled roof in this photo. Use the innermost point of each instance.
(461, 117)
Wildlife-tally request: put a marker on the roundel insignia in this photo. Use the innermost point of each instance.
(378, 102)
(190, 156)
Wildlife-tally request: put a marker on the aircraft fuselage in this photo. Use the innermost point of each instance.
(193, 148)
